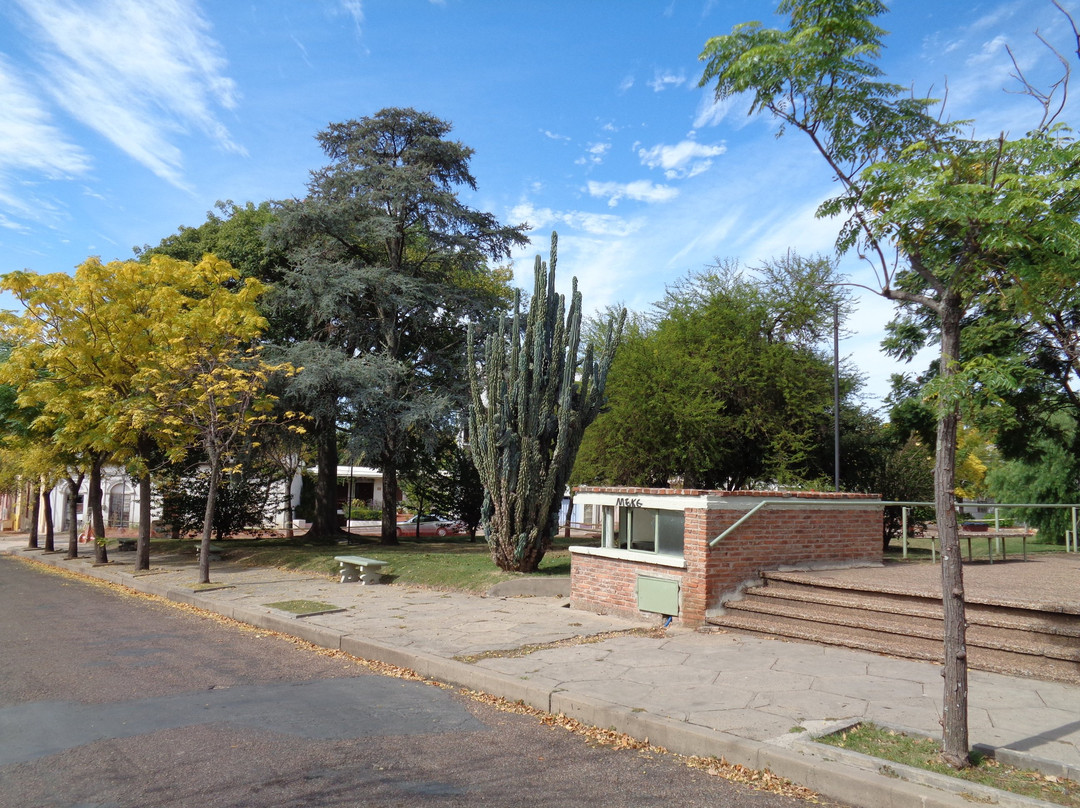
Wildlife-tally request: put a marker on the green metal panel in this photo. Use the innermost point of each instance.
(659, 595)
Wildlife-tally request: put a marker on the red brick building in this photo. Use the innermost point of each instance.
(661, 549)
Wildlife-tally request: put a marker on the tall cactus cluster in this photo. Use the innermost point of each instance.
(531, 402)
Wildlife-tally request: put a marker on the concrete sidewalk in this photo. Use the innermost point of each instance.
(752, 701)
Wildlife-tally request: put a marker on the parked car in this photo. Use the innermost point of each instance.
(430, 525)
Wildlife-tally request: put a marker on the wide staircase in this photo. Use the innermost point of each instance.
(1017, 640)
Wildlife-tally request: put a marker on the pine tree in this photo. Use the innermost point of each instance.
(529, 414)
(385, 265)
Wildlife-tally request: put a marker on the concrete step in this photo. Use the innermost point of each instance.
(1066, 626)
(1013, 638)
(905, 647)
(1069, 609)
(1017, 637)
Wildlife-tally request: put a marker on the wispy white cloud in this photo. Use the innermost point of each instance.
(626, 84)
(139, 72)
(601, 264)
(996, 16)
(681, 160)
(30, 144)
(553, 135)
(733, 112)
(596, 224)
(28, 138)
(8, 224)
(976, 74)
(638, 190)
(991, 51)
(303, 50)
(666, 80)
(355, 9)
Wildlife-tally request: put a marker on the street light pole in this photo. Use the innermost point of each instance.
(836, 395)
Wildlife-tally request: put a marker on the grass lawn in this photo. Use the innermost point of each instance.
(304, 607)
(925, 753)
(452, 562)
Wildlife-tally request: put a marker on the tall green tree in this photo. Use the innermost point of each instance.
(446, 483)
(234, 233)
(721, 385)
(1027, 325)
(1048, 473)
(942, 215)
(531, 402)
(385, 265)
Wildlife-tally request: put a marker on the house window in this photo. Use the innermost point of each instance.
(645, 530)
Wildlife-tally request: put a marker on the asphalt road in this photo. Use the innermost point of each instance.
(108, 699)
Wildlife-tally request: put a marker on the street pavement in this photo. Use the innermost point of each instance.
(756, 702)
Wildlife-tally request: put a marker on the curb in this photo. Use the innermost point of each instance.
(834, 773)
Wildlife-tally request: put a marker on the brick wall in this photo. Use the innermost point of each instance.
(610, 586)
(792, 534)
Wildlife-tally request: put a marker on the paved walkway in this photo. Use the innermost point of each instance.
(720, 694)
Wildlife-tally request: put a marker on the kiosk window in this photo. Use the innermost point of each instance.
(647, 530)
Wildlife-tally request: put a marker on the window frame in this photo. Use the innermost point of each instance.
(629, 532)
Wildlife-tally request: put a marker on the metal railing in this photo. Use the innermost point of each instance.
(1071, 536)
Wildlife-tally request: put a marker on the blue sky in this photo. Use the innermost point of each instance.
(121, 120)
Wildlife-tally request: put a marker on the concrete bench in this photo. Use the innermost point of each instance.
(215, 550)
(358, 568)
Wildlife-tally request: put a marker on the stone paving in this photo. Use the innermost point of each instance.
(760, 693)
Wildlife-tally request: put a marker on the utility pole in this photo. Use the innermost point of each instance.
(836, 395)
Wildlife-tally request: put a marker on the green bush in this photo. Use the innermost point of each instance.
(362, 512)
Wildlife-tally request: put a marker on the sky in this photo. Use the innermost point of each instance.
(122, 120)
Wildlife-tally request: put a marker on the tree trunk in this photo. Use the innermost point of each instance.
(94, 518)
(389, 505)
(324, 523)
(569, 514)
(421, 505)
(208, 517)
(50, 527)
(954, 720)
(290, 515)
(144, 449)
(35, 512)
(74, 484)
(142, 544)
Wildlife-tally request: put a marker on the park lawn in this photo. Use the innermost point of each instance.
(925, 753)
(452, 562)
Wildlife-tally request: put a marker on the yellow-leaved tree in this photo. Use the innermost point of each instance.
(975, 456)
(123, 358)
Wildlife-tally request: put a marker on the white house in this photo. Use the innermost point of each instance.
(120, 497)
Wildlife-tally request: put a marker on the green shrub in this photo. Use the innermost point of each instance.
(362, 512)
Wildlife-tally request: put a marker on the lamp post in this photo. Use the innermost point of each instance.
(836, 396)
